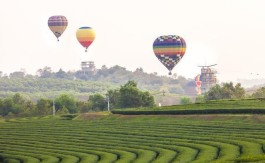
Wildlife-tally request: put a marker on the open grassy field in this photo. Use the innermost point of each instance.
(134, 138)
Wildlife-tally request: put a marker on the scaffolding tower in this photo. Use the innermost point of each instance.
(208, 77)
(88, 66)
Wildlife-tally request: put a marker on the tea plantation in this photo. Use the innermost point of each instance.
(229, 106)
(137, 139)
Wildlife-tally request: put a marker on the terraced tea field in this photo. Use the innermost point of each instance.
(139, 139)
(227, 106)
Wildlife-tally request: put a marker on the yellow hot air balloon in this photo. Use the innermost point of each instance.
(57, 25)
(85, 36)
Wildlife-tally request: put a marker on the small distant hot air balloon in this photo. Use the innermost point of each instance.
(57, 24)
(198, 80)
(85, 36)
(198, 84)
(169, 49)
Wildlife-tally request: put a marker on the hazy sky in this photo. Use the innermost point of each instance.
(230, 33)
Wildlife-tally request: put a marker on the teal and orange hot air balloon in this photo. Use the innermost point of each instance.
(85, 36)
(169, 50)
(57, 25)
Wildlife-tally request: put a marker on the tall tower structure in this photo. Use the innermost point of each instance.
(208, 77)
(88, 66)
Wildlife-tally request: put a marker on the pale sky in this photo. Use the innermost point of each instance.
(230, 33)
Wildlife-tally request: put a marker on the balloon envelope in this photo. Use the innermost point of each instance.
(57, 25)
(169, 49)
(198, 83)
(198, 77)
(198, 80)
(85, 36)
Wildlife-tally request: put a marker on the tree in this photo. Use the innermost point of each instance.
(63, 110)
(8, 106)
(19, 104)
(260, 93)
(1, 107)
(46, 72)
(226, 91)
(131, 96)
(200, 99)
(66, 101)
(98, 102)
(139, 71)
(147, 100)
(17, 74)
(114, 98)
(16, 104)
(104, 67)
(61, 74)
(214, 93)
(239, 91)
(185, 100)
(44, 106)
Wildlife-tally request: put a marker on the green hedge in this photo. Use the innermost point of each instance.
(227, 106)
(199, 111)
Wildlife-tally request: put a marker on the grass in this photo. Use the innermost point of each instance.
(2, 120)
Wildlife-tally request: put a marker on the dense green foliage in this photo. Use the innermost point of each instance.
(259, 93)
(66, 101)
(185, 100)
(127, 96)
(158, 139)
(18, 105)
(97, 102)
(225, 91)
(130, 96)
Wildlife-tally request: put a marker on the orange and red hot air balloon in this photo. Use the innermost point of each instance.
(198, 83)
(85, 36)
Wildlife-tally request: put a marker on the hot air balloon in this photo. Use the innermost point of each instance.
(169, 50)
(198, 84)
(57, 24)
(85, 36)
(198, 80)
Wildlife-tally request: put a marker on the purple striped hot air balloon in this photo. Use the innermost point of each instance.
(169, 50)
(57, 24)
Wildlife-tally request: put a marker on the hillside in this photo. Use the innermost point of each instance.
(49, 84)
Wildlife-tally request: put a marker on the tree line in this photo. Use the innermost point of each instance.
(128, 95)
(229, 91)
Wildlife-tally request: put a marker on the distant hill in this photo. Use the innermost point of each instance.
(251, 83)
(81, 84)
